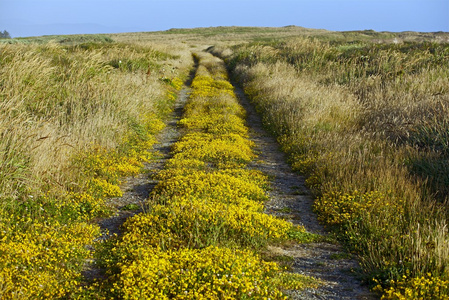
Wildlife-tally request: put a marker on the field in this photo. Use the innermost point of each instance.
(362, 115)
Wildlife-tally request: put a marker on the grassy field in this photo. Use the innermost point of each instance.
(367, 124)
(362, 114)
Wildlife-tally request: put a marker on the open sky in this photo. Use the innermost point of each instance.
(44, 17)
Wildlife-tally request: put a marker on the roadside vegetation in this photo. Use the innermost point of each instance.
(74, 121)
(367, 124)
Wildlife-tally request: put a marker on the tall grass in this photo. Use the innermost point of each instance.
(73, 119)
(367, 124)
(59, 100)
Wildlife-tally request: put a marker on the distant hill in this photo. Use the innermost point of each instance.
(237, 33)
(229, 33)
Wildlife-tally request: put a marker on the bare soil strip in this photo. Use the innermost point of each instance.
(136, 190)
(290, 199)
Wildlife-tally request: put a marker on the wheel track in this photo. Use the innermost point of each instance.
(137, 189)
(291, 199)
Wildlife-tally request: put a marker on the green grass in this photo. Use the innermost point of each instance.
(131, 206)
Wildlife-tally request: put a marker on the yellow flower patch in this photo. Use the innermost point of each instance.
(224, 151)
(206, 86)
(222, 104)
(86, 205)
(185, 164)
(339, 208)
(177, 83)
(209, 273)
(221, 187)
(104, 188)
(250, 176)
(44, 261)
(193, 223)
(216, 124)
(424, 287)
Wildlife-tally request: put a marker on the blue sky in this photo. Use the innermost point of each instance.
(43, 17)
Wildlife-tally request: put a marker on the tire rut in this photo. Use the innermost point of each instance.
(290, 199)
(137, 189)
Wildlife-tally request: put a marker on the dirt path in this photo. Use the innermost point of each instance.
(290, 199)
(137, 189)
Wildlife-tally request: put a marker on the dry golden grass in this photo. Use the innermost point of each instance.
(58, 101)
(367, 124)
(72, 120)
